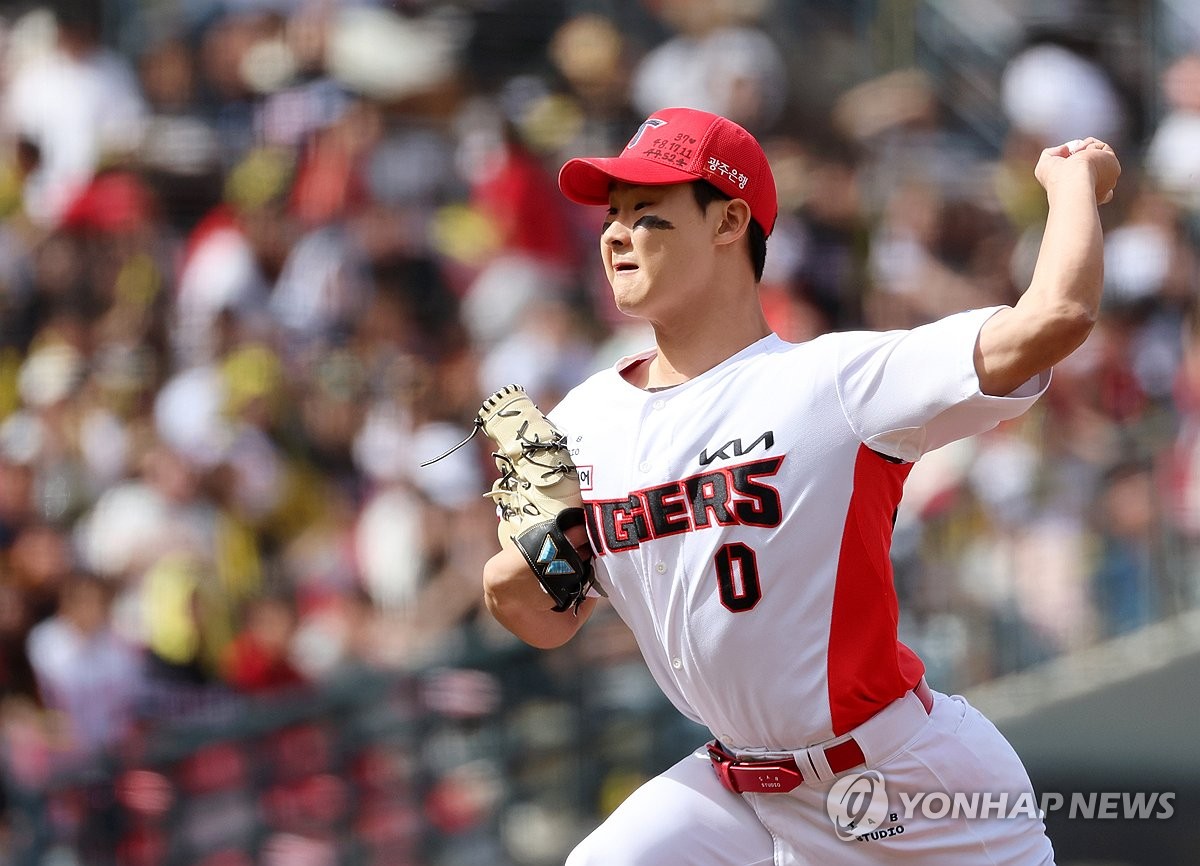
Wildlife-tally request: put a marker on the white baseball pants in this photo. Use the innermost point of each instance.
(684, 817)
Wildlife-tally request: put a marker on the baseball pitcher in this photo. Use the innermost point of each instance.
(732, 495)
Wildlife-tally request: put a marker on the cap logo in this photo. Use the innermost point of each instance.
(731, 174)
(651, 123)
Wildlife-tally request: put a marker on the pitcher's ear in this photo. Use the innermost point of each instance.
(735, 221)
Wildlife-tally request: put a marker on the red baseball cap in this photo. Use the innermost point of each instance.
(680, 145)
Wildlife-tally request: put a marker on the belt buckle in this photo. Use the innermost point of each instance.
(767, 777)
(721, 762)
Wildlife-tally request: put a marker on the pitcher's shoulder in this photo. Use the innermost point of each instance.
(587, 398)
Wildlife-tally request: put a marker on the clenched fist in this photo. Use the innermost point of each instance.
(1068, 160)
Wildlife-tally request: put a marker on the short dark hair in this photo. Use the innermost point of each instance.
(705, 194)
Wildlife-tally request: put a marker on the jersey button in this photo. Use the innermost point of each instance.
(644, 466)
(677, 663)
(658, 404)
(661, 568)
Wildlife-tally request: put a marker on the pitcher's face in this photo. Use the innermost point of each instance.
(657, 246)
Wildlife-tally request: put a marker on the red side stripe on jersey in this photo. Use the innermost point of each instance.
(868, 666)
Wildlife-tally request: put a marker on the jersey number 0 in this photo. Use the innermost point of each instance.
(737, 577)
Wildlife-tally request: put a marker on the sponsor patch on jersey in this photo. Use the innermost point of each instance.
(766, 439)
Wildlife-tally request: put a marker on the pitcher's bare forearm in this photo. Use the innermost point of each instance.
(1058, 310)
(514, 597)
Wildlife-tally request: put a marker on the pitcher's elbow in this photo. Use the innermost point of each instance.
(1071, 324)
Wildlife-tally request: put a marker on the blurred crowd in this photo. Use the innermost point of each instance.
(259, 259)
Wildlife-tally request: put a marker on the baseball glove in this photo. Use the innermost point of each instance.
(537, 494)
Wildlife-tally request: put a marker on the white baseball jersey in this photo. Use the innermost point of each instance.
(742, 520)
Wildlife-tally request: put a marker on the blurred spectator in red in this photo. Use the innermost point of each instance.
(258, 658)
(521, 199)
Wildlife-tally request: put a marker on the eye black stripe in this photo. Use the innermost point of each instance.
(650, 221)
